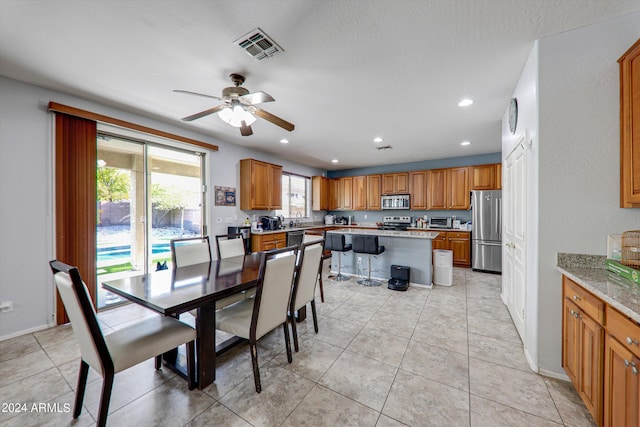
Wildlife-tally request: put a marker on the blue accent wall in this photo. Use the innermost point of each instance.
(450, 162)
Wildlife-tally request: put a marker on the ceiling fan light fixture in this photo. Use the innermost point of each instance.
(236, 115)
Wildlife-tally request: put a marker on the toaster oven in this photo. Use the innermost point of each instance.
(442, 222)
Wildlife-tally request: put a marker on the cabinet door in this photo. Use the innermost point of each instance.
(570, 341)
(499, 176)
(346, 193)
(460, 244)
(401, 183)
(334, 194)
(630, 127)
(359, 193)
(418, 190)
(440, 242)
(373, 192)
(483, 177)
(320, 193)
(591, 362)
(459, 197)
(388, 186)
(275, 187)
(436, 182)
(260, 177)
(621, 386)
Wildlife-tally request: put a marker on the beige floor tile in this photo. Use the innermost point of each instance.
(344, 411)
(70, 371)
(357, 313)
(232, 368)
(449, 336)
(385, 421)
(512, 387)
(401, 324)
(571, 408)
(218, 415)
(63, 352)
(501, 352)
(493, 328)
(15, 370)
(57, 412)
(58, 334)
(489, 312)
(435, 363)
(360, 378)
(378, 345)
(313, 360)
(282, 391)
(417, 401)
(337, 332)
(485, 413)
(18, 347)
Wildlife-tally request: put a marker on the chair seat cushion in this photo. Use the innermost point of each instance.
(236, 319)
(146, 339)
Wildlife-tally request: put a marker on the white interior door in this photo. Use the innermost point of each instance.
(515, 195)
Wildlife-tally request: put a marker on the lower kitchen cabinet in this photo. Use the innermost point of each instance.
(266, 242)
(457, 241)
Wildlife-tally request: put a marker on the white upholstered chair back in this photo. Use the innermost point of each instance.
(229, 248)
(276, 291)
(190, 251)
(79, 323)
(308, 274)
(308, 238)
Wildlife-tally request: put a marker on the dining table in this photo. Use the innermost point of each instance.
(175, 291)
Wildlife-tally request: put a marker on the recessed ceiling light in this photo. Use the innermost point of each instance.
(465, 102)
(377, 139)
(284, 141)
(465, 143)
(334, 161)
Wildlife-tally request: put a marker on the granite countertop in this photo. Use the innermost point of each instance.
(618, 292)
(389, 233)
(356, 226)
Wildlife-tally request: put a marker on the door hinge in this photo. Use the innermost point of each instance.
(204, 188)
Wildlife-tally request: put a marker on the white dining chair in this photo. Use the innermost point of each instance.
(253, 318)
(197, 250)
(304, 287)
(119, 350)
(229, 248)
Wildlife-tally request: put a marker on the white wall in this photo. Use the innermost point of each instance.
(579, 174)
(26, 214)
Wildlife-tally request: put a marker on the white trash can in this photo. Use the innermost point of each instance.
(443, 267)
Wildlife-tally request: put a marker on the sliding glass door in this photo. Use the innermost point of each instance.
(147, 195)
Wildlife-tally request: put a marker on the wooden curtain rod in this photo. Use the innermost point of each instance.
(77, 112)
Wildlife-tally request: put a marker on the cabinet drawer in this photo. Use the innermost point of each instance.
(588, 303)
(457, 235)
(624, 330)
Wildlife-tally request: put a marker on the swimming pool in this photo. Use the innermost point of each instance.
(111, 253)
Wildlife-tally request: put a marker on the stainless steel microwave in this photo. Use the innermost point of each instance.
(395, 201)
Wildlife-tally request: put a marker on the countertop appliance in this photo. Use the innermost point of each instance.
(243, 233)
(270, 223)
(295, 238)
(328, 219)
(395, 201)
(442, 222)
(486, 235)
(395, 223)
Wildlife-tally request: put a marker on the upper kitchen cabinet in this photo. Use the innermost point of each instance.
(485, 177)
(418, 189)
(320, 193)
(334, 194)
(395, 183)
(343, 193)
(373, 192)
(630, 127)
(359, 193)
(260, 185)
(448, 189)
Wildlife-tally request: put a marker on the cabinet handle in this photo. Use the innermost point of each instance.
(631, 341)
(632, 364)
(576, 298)
(575, 314)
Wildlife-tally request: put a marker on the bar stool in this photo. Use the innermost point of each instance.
(367, 245)
(336, 242)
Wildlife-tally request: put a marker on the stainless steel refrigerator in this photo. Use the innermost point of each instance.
(486, 234)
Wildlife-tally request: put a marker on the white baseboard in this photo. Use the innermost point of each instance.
(26, 331)
(554, 374)
(420, 285)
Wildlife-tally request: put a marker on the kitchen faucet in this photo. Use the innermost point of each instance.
(298, 219)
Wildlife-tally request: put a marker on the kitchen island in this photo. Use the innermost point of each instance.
(407, 248)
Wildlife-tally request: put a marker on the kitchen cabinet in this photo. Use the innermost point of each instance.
(448, 189)
(418, 190)
(267, 242)
(373, 192)
(334, 194)
(630, 127)
(342, 198)
(485, 177)
(582, 344)
(395, 183)
(260, 185)
(457, 241)
(359, 193)
(621, 366)
(320, 193)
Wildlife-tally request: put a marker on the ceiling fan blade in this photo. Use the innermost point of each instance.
(257, 97)
(274, 119)
(245, 130)
(204, 113)
(197, 94)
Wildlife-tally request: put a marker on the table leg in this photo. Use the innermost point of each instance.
(206, 345)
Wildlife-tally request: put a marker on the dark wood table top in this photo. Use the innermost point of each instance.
(172, 292)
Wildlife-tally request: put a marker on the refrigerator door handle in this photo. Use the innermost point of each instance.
(489, 243)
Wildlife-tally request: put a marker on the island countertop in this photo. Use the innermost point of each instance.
(389, 233)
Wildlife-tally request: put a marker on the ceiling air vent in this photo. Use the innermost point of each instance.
(384, 148)
(258, 44)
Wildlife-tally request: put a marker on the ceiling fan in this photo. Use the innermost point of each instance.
(239, 108)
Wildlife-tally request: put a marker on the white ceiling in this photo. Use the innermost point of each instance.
(352, 69)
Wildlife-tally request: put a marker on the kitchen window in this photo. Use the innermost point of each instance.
(295, 196)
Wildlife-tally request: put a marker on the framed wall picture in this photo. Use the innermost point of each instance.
(225, 196)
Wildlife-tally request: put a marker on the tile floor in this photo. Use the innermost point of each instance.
(443, 357)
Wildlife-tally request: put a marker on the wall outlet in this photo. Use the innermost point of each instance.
(219, 220)
(365, 216)
(6, 306)
(359, 260)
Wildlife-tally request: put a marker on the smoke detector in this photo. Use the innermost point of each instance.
(258, 44)
(384, 148)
